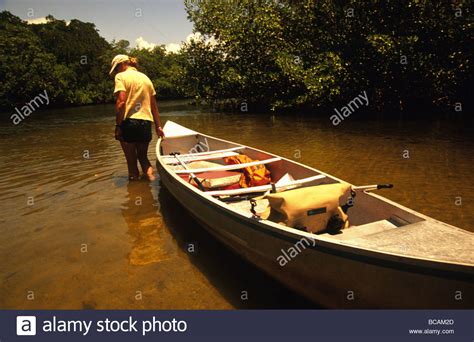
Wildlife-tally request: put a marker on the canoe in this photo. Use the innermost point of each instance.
(390, 256)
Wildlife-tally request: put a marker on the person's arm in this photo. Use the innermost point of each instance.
(156, 117)
(120, 111)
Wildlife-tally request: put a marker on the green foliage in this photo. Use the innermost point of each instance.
(25, 66)
(161, 68)
(277, 54)
(71, 61)
(313, 53)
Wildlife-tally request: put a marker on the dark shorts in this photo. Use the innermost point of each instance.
(136, 130)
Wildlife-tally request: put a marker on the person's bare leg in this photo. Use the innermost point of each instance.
(142, 153)
(130, 151)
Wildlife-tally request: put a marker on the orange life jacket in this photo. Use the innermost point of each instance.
(252, 175)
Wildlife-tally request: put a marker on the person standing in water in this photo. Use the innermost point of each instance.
(136, 112)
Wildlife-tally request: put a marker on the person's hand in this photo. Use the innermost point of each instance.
(118, 133)
(159, 132)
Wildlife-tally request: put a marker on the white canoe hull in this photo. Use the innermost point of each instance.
(331, 275)
(329, 279)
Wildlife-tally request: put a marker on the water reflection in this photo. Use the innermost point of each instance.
(151, 242)
(242, 284)
(162, 232)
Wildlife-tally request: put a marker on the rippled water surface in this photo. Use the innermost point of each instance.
(76, 234)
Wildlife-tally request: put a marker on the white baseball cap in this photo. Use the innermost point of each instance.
(117, 60)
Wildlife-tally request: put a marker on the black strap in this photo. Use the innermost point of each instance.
(253, 204)
(274, 189)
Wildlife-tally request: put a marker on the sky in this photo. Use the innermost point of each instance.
(142, 22)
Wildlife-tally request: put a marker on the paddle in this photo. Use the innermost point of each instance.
(193, 176)
(372, 187)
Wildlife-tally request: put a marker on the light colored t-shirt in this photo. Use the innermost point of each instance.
(139, 90)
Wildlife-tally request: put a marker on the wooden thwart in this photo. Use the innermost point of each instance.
(201, 158)
(207, 152)
(230, 167)
(262, 188)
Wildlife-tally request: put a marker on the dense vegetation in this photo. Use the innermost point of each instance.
(71, 62)
(274, 54)
(321, 53)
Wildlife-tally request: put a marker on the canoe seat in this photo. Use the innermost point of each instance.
(218, 179)
(224, 180)
(196, 165)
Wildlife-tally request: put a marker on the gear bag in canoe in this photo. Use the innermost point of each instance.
(252, 175)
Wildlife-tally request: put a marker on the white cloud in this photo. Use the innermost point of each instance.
(35, 21)
(41, 20)
(172, 47)
(198, 37)
(143, 44)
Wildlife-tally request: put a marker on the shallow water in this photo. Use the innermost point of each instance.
(77, 234)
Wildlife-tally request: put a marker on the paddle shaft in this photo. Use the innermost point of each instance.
(193, 176)
(372, 187)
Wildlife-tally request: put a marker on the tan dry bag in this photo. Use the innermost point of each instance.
(309, 208)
